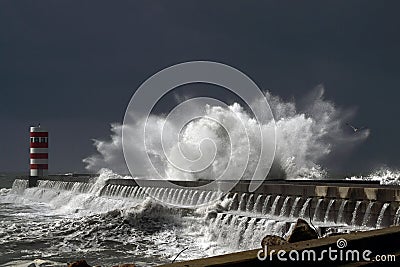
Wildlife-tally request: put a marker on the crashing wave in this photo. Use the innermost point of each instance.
(33, 263)
(385, 176)
(308, 132)
(4, 191)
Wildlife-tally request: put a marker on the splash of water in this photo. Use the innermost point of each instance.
(257, 207)
(367, 214)
(304, 208)
(381, 214)
(355, 212)
(307, 131)
(317, 208)
(274, 205)
(284, 206)
(265, 205)
(341, 210)
(396, 220)
(384, 175)
(326, 217)
(293, 210)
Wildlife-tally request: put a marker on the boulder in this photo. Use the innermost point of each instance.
(80, 263)
(272, 240)
(302, 231)
(211, 214)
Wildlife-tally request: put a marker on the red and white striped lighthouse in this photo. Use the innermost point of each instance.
(39, 143)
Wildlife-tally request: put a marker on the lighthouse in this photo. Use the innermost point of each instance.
(39, 144)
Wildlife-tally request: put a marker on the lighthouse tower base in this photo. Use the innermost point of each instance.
(32, 181)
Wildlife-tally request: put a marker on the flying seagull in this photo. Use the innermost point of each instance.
(356, 129)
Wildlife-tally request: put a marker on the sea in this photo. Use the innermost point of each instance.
(58, 222)
(58, 226)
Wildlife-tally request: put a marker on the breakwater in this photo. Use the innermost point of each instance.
(325, 202)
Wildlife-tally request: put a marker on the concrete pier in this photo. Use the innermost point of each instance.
(365, 196)
(307, 188)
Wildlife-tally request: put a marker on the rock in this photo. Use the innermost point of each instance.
(125, 265)
(211, 214)
(272, 240)
(302, 231)
(80, 263)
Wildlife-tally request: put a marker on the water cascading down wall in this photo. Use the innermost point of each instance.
(324, 203)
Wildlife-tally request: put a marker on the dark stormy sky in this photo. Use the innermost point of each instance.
(73, 65)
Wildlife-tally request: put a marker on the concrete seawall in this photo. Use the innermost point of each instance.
(322, 193)
(318, 188)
